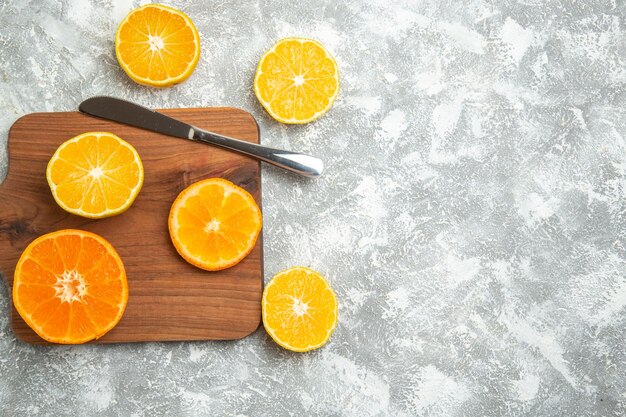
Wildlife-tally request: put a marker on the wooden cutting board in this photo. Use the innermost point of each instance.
(169, 299)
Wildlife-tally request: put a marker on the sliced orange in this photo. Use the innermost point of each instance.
(95, 175)
(297, 80)
(299, 309)
(70, 286)
(214, 224)
(157, 45)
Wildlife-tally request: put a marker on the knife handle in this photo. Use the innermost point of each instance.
(306, 165)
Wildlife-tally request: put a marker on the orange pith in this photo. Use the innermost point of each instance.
(157, 45)
(299, 309)
(297, 80)
(70, 286)
(214, 224)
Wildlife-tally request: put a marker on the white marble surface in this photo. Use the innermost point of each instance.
(472, 218)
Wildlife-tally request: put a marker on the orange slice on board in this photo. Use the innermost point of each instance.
(299, 309)
(95, 175)
(297, 80)
(157, 45)
(70, 286)
(214, 224)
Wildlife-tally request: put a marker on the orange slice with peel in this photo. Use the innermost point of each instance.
(214, 224)
(70, 286)
(157, 45)
(297, 80)
(299, 309)
(95, 175)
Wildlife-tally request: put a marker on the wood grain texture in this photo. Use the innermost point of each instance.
(169, 298)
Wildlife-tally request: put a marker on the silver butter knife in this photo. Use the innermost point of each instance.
(123, 111)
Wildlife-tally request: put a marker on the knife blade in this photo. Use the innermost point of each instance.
(129, 113)
(132, 114)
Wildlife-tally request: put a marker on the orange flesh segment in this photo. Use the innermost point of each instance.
(157, 45)
(297, 80)
(95, 175)
(70, 286)
(299, 309)
(214, 224)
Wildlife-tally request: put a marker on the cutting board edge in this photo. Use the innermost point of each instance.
(42, 342)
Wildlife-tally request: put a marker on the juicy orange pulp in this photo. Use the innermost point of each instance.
(95, 175)
(297, 80)
(70, 286)
(299, 309)
(157, 45)
(214, 224)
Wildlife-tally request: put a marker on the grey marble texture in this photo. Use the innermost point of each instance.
(472, 218)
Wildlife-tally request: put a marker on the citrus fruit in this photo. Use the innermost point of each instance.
(297, 80)
(70, 286)
(214, 224)
(95, 175)
(157, 45)
(299, 309)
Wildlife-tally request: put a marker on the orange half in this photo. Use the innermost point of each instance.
(214, 224)
(95, 175)
(299, 309)
(157, 45)
(70, 286)
(297, 80)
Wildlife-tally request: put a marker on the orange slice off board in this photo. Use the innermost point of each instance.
(169, 299)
